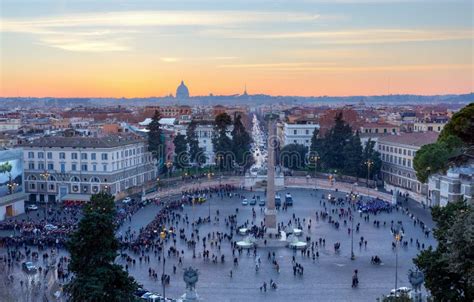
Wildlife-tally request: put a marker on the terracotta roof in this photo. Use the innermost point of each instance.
(416, 139)
(85, 142)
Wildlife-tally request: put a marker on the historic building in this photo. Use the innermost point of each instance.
(397, 153)
(74, 168)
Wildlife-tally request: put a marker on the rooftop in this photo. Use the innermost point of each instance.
(110, 141)
(416, 139)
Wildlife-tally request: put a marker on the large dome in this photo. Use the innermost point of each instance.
(182, 91)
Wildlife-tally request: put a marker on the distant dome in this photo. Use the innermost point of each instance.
(182, 91)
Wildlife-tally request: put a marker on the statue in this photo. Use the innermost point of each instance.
(190, 277)
(416, 278)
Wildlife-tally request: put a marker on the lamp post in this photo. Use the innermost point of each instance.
(397, 235)
(169, 165)
(369, 164)
(209, 176)
(163, 235)
(45, 175)
(315, 159)
(352, 226)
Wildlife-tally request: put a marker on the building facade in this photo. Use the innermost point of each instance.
(458, 183)
(397, 153)
(297, 133)
(12, 195)
(74, 168)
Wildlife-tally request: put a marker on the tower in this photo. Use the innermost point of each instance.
(270, 211)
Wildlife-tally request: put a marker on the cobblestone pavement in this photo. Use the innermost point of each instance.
(326, 279)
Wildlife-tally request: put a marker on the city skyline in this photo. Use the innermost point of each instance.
(304, 47)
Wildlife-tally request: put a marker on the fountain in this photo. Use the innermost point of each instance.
(190, 277)
(295, 243)
(247, 243)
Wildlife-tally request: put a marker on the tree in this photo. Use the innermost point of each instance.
(181, 158)
(241, 142)
(429, 159)
(449, 269)
(456, 137)
(196, 153)
(461, 125)
(370, 154)
(93, 249)
(155, 142)
(353, 154)
(293, 156)
(335, 140)
(222, 143)
(316, 148)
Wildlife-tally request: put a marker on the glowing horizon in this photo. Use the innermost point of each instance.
(292, 48)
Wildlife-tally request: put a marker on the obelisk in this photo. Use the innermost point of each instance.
(270, 211)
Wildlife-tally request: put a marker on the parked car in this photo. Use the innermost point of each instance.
(32, 207)
(288, 199)
(277, 200)
(29, 267)
(50, 227)
(127, 200)
(253, 202)
(245, 202)
(261, 202)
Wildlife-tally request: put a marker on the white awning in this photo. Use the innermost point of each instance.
(76, 197)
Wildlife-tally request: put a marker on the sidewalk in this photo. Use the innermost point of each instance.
(311, 183)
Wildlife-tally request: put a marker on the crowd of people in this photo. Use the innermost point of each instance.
(175, 234)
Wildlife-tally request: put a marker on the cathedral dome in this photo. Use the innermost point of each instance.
(182, 91)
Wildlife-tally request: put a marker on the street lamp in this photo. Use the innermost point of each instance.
(352, 227)
(315, 159)
(369, 164)
(209, 176)
(397, 234)
(169, 164)
(12, 186)
(163, 235)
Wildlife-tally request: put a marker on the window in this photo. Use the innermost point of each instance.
(84, 156)
(49, 155)
(31, 155)
(74, 155)
(51, 187)
(94, 167)
(104, 167)
(50, 166)
(104, 156)
(409, 152)
(84, 167)
(409, 163)
(126, 153)
(93, 156)
(63, 168)
(40, 155)
(295, 132)
(62, 155)
(41, 166)
(404, 151)
(307, 131)
(73, 167)
(32, 186)
(31, 166)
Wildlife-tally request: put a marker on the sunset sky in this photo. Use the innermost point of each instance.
(139, 48)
